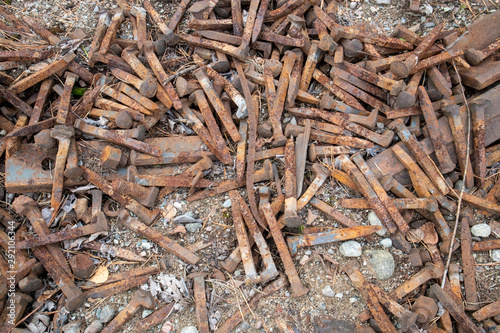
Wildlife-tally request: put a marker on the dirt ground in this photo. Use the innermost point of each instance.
(279, 312)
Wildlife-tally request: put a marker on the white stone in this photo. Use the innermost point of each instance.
(350, 249)
(386, 242)
(374, 220)
(189, 329)
(227, 203)
(481, 230)
(495, 255)
(328, 292)
(353, 5)
(383, 2)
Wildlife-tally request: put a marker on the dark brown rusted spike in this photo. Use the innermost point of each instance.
(468, 266)
(477, 108)
(445, 163)
(157, 237)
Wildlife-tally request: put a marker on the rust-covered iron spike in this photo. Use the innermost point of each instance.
(295, 242)
(157, 237)
(298, 288)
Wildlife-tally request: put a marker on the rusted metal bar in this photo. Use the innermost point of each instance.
(100, 31)
(342, 120)
(270, 270)
(63, 134)
(171, 181)
(155, 318)
(452, 307)
(487, 245)
(315, 151)
(157, 237)
(213, 45)
(294, 242)
(291, 218)
(429, 204)
(298, 288)
(437, 60)
(198, 97)
(110, 34)
(241, 151)
(352, 270)
(100, 225)
(338, 72)
(279, 101)
(379, 190)
(241, 234)
(141, 299)
(117, 139)
(124, 200)
(18, 103)
(64, 104)
(445, 163)
(115, 288)
(458, 133)
(259, 20)
(41, 99)
(488, 311)
(468, 266)
(224, 116)
(201, 303)
(368, 192)
(114, 251)
(147, 87)
(475, 57)
(420, 155)
(179, 13)
(402, 69)
(393, 86)
(478, 121)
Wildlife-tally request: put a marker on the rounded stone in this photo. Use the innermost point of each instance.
(481, 230)
(192, 227)
(386, 242)
(328, 291)
(72, 327)
(107, 314)
(95, 327)
(189, 329)
(495, 255)
(350, 249)
(380, 263)
(374, 220)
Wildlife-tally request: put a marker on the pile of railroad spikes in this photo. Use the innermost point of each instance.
(411, 102)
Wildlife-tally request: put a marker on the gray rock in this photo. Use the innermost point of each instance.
(374, 220)
(495, 255)
(192, 227)
(383, 2)
(386, 242)
(380, 262)
(107, 314)
(481, 230)
(189, 329)
(327, 291)
(227, 203)
(350, 249)
(95, 327)
(186, 219)
(72, 327)
(353, 5)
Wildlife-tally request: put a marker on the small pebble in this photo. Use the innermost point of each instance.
(380, 262)
(481, 230)
(167, 327)
(327, 291)
(495, 255)
(106, 314)
(353, 5)
(192, 227)
(307, 253)
(95, 327)
(72, 327)
(383, 2)
(189, 329)
(374, 220)
(386, 242)
(227, 203)
(350, 249)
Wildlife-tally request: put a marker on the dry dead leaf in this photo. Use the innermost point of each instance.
(101, 275)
